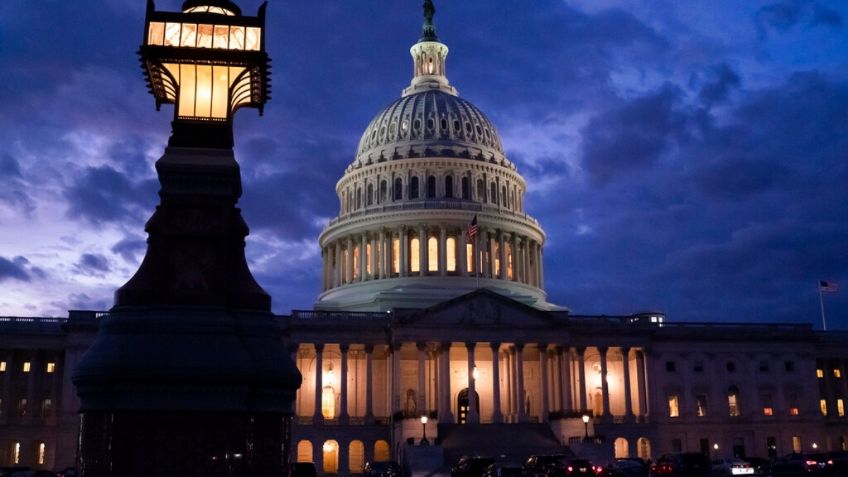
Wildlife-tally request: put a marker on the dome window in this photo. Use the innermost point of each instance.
(404, 125)
(468, 127)
(413, 188)
(416, 125)
(479, 130)
(382, 131)
(444, 124)
(466, 193)
(431, 187)
(392, 130)
(487, 133)
(456, 125)
(449, 187)
(430, 123)
(398, 189)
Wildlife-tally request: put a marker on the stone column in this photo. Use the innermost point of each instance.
(445, 415)
(497, 416)
(337, 268)
(604, 385)
(628, 400)
(349, 261)
(369, 380)
(525, 259)
(403, 266)
(473, 412)
(318, 418)
(640, 383)
(508, 377)
(543, 378)
(516, 263)
(541, 267)
(502, 254)
(395, 348)
(343, 414)
(374, 259)
(422, 251)
(581, 373)
(555, 377)
(461, 253)
(385, 255)
(565, 377)
(324, 260)
(443, 250)
(492, 269)
(422, 375)
(519, 381)
(363, 268)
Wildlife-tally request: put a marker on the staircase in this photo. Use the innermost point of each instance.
(514, 441)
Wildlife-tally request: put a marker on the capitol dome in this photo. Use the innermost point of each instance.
(430, 208)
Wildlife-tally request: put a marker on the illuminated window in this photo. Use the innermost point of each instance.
(432, 254)
(382, 452)
(2, 366)
(204, 89)
(46, 408)
(794, 411)
(16, 453)
(819, 373)
(496, 254)
(451, 254)
(701, 405)
(357, 266)
(345, 258)
(837, 373)
(27, 366)
(414, 254)
(42, 451)
(51, 367)
(469, 257)
(733, 401)
(509, 267)
(368, 259)
(673, 406)
(768, 411)
(395, 255)
(22, 407)
(840, 407)
(328, 402)
(823, 407)
(796, 444)
(304, 451)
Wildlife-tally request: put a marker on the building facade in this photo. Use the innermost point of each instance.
(433, 305)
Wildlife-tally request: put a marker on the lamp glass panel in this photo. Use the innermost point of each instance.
(253, 38)
(189, 35)
(203, 107)
(156, 33)
(172, 34)
(220, 91)
(204, 36)
(236, 38)
(222, 34)
(188, 87)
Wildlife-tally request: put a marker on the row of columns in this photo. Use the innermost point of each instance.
(556, 381)
(348, 260)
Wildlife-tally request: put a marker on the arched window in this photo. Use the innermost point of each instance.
(432, 254)
(357, 267)
(331, 457)
(304, 451)
(450, 254)
(622, 450)
(370, 194)
(328, 402)
(494, 190)
(449, 187)
(431, 187)
(414, 254)
(733, 401)
(466, 192)
(383, 191)
(358, 198)
(643, 446)
(503, 196)
(413, 188)
(356, 457)
(509, 260)
(481, 191)
(382, 453)
(398, 189)
(41, 457)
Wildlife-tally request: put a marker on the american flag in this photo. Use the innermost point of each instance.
(472, 228)
(829, 287)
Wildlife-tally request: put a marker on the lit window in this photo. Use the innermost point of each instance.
(794, 411)
(27, 366)
(432, 254)
(2, 366)
(823, 407)
(819, 373)
(368, 259)
(414, 253)
(840, 407)
(357, 266)
(16, 453)
(837, 373)
(509, 261)
(701, 405)
(496, 254)
(51, 367)
(673, 406)
(469, 257)
(796, 444)
(46, 407)
(733, 402)
(451, 254)
(42, 451)
(395, 256)
(768, 411)
(328, 402)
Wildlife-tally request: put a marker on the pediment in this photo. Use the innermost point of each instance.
(482, 308)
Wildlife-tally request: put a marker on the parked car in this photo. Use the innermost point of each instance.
(686, 464)
(33, 473)
(762, 466)
(500, 469)
(8, 471)
(625, 468)
(545, 465)
(303, 469)
(471, 466)
(796, 464)
(731, 466)
(68, 472)
(382, 469)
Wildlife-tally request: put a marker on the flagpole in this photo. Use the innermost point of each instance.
(821, 303)
(477, 254)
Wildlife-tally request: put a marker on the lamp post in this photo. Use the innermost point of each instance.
(586, 427)
(424, 420)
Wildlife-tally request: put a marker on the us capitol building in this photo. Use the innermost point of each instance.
(426, 332)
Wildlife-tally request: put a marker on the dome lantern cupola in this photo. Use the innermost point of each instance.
(429, 56)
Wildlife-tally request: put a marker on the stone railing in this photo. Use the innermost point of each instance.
(338, 315)
(425, 204)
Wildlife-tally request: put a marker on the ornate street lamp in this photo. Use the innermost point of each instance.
(209, 61)
(586, 427)
(424, 420)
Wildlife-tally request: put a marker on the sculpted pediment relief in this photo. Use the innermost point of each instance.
(482, 308)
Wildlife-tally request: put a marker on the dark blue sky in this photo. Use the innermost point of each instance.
(686, 156)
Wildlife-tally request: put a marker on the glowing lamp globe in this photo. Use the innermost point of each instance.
(208, 60)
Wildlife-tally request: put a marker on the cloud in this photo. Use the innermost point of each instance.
(718, 86)
(103, 194)
(93, 264)
(784, 15)
(9, 167)
(130, 249)
(13, 270)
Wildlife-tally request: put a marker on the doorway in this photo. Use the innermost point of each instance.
(462, 405)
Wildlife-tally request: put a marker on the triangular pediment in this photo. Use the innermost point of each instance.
(481, 308)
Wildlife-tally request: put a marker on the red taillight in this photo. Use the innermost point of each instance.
(570, 468)
(812, 462)
(598, 469)
(830, 462)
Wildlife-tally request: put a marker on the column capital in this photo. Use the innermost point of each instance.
(542, 346)
(625, 351)
(369, 348)
(445, 347)
(344, 347)
(470, 345)
(395, 346)
(495, 345)
(603, 350)
(560, 349)
(518, 346)
(581, 350)
(422, 346)
(319, 347)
